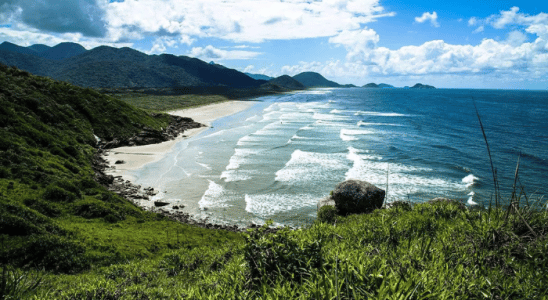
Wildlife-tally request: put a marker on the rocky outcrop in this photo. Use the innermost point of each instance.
(151, 136)
(326, 201)
(357, 197)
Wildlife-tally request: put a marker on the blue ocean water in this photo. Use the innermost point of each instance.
(278, 158)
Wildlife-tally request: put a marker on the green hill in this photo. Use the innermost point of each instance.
(49, 192)
(287, 82)
(313, 79)
(108, 67)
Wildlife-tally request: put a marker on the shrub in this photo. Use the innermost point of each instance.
(43, 207)
(57, 194)
(279, 254)
(327, 214)
(52, 253)
(91, 209)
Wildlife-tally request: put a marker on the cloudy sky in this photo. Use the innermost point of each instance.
(454, 44)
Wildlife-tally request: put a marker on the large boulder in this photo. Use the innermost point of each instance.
(357, 197)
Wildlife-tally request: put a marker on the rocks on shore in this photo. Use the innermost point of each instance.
(151, 136)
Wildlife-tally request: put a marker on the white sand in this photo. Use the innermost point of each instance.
(138, 156)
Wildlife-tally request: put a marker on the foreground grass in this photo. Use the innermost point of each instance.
(159, 103)
(427, 251)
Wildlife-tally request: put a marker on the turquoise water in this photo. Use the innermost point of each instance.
(278, 158)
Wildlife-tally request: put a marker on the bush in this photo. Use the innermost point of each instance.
(51, 253)
(57, 194)
(91, 209)
(270, 255)
(45, 208)
(327, 214)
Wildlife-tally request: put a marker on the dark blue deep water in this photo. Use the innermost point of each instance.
(277, 159)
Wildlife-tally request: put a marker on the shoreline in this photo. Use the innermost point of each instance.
(136, 157)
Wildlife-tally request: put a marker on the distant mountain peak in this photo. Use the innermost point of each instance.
(313, 79)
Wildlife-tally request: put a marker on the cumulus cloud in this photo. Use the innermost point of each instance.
(58, 16)
(511, 57)
(473, 21)
(211, 53)
(245, 20)
(358, 43)
(432, 17)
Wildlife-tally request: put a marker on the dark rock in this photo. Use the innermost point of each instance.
(175, 207)
(356, 197)
(160, 203)
(119, 162)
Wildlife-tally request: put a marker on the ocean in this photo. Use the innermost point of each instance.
(278, 158)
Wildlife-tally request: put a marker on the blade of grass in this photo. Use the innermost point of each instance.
(488, 151)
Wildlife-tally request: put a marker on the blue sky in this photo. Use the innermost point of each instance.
(453, 44)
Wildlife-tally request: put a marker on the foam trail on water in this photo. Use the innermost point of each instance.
(349, 134)
(304, 166)
(380, 114)
(469, 180)
(362, 123)
(265, 205)
(212, 196)
(471, 199)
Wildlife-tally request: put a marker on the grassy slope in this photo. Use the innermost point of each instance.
(92, 244)
(53, 216)
(167, 103)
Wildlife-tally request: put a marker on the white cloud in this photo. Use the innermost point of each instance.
(243, 20)
(516, 38)
(358, 43)
(473, 21)
(479, 29)
(211, 53)
(161, 44)
(432, 17)
(512, 58)
(249, 68)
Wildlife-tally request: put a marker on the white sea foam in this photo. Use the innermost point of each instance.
(329, 117)
(304, 166)
(403, 180)
(240, 157)
(380, 114)
(204, 165)
(255, 118)
(336, 111)
(471, 199)
(213, 196)
(350, 134)
(469, 180)
(235, 175)
(265, 205)
(361, 123)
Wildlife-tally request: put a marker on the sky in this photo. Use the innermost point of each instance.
(449, 44)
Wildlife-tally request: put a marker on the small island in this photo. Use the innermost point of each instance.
(422, 86)
(379, 86)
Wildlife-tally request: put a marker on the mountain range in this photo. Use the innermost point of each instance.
(114, 68)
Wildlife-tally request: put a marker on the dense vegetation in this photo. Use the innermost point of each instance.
(53, 214)
(63, 236)
(109, 67)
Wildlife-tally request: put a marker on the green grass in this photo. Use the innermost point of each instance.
(166, 103)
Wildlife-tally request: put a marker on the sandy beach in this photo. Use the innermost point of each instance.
(137, 156)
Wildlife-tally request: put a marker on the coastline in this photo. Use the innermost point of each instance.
(135, 157)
